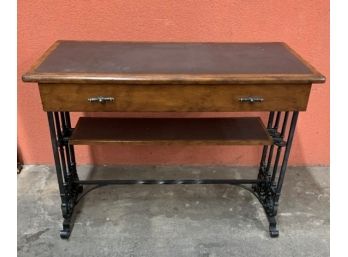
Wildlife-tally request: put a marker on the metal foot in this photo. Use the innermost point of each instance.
(270, 209)
(66, 231)
(273, 231)
(65, 234)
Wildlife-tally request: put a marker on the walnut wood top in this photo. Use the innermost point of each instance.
(150, 62)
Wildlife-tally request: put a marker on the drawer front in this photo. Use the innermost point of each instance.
(173, 98)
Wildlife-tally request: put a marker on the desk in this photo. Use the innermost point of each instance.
(84, 76)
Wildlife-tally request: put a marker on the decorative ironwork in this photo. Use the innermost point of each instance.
(267, 187)
(64, 157)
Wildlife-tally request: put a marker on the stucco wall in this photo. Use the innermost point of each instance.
(303, 24)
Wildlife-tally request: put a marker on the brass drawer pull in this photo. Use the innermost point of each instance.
(101, 99)
(251, 99)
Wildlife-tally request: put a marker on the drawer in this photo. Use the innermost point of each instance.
(172, 98)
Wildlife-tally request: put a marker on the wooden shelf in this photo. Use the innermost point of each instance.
(214, 131)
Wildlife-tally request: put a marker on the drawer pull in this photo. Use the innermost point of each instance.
(251, 99)
(101, 99)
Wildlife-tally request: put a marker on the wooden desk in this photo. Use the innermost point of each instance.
(78, 76)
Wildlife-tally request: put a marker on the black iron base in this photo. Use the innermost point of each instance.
(267, 187)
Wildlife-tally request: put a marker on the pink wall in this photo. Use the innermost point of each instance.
(303, 24)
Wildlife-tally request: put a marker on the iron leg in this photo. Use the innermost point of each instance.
(65, 168)
(70, 152)
(268, 189)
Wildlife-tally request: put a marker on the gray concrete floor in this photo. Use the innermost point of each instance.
(174, 220)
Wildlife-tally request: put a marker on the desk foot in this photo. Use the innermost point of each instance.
(263, 193)
(68, 210)
(273, 231)
(66, 231)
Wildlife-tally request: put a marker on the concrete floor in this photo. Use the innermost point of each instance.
(174, 220)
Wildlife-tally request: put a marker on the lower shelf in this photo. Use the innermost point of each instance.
(214, 131)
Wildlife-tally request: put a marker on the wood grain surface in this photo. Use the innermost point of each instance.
(173, 98)
(217, 131)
